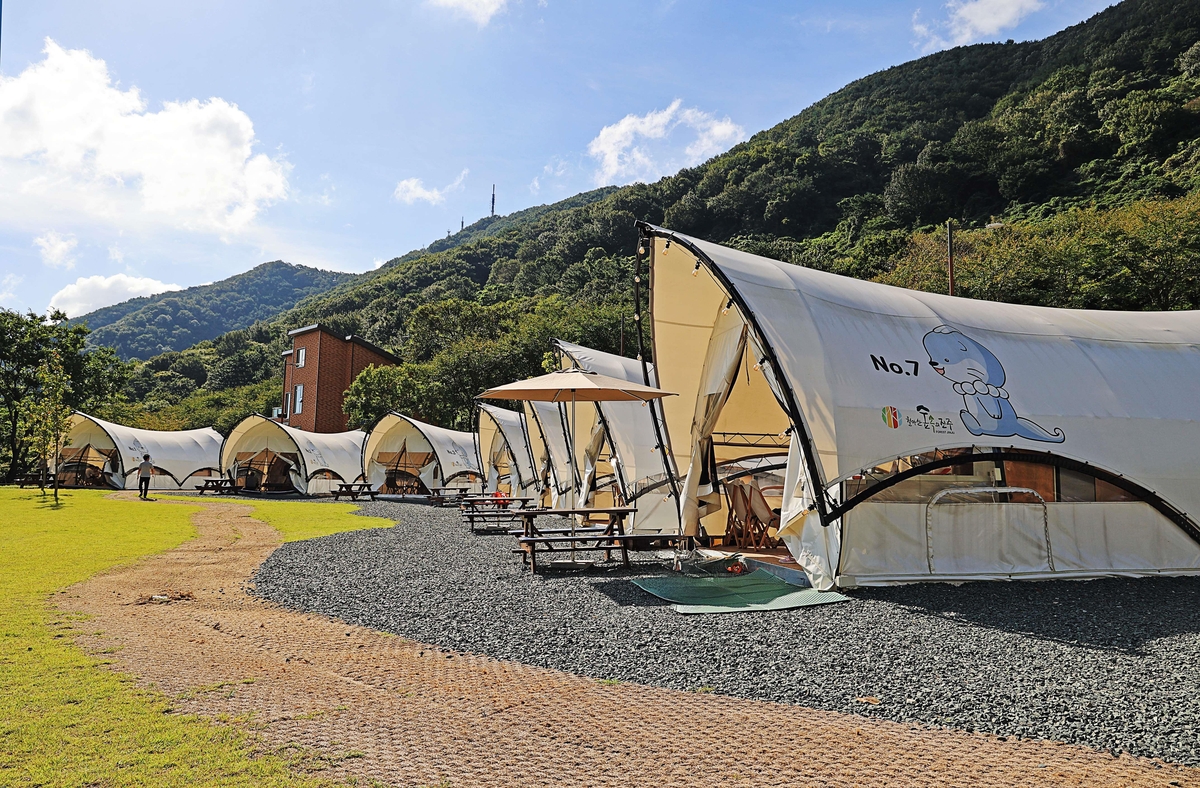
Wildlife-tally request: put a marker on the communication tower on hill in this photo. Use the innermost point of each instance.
(493, 199)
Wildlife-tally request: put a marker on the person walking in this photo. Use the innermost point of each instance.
(145, 471)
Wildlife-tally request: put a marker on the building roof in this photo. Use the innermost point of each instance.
(351, 338)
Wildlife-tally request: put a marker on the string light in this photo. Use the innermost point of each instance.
(696, 269)
(728, 304)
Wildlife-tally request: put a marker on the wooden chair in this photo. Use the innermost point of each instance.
(762, 519)
(737, 528)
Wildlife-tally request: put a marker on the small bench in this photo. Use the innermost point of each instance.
(219, 486)
(575, 543)
(354, 489)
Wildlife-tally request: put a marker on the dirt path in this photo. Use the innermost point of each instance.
(374, 706)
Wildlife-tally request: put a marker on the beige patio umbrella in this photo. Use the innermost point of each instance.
(575, 385)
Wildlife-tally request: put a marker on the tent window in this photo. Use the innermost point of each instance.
(1076, 487)
(299, 398)
(1036, 476)
(300, 353)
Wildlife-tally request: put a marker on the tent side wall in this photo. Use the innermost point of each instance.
(179, 456)
(847, 359)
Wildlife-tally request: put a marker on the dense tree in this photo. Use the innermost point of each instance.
(94, 379)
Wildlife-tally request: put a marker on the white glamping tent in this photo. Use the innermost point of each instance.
(403, 455)
(505, 456)
(261, 454)
(633, 431)
(938, 438)
(100, 453)
(545, 424)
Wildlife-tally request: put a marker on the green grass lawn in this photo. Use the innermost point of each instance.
(65, 720)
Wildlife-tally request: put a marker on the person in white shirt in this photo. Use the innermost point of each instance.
(145, 471)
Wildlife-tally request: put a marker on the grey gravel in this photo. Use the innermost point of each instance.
(1112, 664)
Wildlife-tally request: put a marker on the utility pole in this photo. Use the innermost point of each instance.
(950, 252)
(462, 224)
(493, 199)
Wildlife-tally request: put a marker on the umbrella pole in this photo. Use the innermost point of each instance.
(574, 475)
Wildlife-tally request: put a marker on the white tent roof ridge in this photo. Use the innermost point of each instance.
(179, 453)
(511, 426)
(337, 452)
(1086, 387)
(448, 445)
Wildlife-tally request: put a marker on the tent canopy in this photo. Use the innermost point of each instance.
(878, 385)
(452, 454)
(503, 440)
(176, 454)
(547, 428)
(324, 458)
(633, 436)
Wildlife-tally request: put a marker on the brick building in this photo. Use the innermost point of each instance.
(316, 373)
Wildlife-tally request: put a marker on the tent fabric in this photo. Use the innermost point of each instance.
(177, 455)
(502, 432)
(455, 458)
(630, 427)
(325, 458)
(868, 376)
(550, 421)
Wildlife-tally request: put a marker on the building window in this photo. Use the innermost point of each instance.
(299, 399)
(287, 404)
(300, 357)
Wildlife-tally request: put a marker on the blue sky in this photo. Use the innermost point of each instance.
(150, 145)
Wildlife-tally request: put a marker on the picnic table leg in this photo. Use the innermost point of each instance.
(624, 542)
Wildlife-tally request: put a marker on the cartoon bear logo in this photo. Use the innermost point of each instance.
(979, 377)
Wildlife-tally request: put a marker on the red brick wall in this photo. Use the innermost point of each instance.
(331, 364)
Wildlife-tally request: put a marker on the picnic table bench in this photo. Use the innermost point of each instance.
(355, 489)
(492, 513)
(446, 496)
(560, 540)
(220, 486)
(34, 480)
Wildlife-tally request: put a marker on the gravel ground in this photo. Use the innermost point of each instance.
(1111, 664)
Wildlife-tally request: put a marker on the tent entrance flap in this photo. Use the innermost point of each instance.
(402, 470)
(266, 470)
(87, 466)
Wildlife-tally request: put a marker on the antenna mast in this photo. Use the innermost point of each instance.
(493, 199)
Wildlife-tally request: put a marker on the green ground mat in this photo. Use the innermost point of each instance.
(757, 590)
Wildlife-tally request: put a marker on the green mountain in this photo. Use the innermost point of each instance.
(1099, 118)
(150, 325)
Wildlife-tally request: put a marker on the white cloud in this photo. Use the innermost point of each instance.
(8, 286)
(534, 185)
(74, 144)
(89, 293)
(638, 147)
(971, 20)
(56, 249)
(411, 190)
(479, 11)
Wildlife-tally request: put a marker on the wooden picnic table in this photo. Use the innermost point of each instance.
(492, 513)
(558, 540)
(445, 496)
(219, 485)
(355, 489)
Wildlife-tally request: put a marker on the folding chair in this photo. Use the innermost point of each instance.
(762, 519)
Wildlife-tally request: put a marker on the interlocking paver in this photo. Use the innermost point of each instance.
(380, 707)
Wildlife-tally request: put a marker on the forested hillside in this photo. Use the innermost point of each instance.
(1086, 145)
(144, 327)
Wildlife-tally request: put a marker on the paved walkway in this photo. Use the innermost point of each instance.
(373, 706)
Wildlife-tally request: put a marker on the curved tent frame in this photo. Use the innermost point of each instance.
(632, 429)
(507, 426)
(880, 385)
(455, 453)
(324, 459)
(546, 426)
(178, 455)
